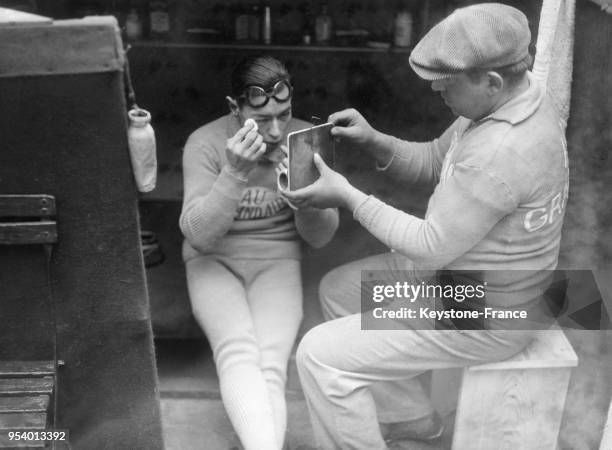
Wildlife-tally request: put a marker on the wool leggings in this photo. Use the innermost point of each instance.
(250, 311)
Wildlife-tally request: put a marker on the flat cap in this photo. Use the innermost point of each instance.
(485, 35)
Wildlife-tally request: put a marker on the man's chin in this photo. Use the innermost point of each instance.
(271, 147)
(273, 152)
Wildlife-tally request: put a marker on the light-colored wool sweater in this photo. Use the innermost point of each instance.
(223, 214)
(499, 202)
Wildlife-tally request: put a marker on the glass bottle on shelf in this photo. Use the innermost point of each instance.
(255, 24)
(323, 26)
(402, 32)
(266, 30)
(241, 31)
(159, 19)
(133, 25)
(307, 22)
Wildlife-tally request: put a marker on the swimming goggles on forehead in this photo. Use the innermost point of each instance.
(258, 97)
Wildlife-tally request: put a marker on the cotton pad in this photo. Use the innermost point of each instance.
(251, 122)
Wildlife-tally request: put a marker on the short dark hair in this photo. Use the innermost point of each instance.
(258, 70)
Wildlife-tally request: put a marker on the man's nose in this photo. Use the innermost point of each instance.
(274, 130)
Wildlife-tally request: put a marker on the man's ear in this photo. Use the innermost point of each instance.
(233, 105)
(495, 82)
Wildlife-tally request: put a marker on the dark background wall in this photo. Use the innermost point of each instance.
(185, 86)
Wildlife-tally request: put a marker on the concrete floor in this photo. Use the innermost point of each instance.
(202, 424)
(193, 415)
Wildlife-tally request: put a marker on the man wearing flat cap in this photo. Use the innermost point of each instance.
(501, 182)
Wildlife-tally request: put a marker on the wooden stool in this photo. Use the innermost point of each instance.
(517, 403)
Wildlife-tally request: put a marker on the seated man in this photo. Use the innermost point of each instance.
(242, 247)
(501, 179)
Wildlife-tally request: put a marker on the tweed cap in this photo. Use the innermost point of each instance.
(485, 35)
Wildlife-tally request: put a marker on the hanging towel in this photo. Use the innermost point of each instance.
(555, 52)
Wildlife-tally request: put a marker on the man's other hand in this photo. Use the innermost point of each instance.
(351, 126)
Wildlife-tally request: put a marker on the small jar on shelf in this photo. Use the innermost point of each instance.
(159, 19)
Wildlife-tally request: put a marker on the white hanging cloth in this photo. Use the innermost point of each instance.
(555, 52)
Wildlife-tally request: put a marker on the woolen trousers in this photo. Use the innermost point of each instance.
(354, 378)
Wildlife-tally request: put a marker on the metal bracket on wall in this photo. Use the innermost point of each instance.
(27, 219)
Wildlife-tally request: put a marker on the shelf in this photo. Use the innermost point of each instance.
(274, 47)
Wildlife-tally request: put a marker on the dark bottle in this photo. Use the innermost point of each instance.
(241, 30)
(255, 24)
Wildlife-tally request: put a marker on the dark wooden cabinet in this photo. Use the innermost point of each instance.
(84, 299)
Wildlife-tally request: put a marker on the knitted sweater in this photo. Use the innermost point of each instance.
(223, 214)
(499, 202)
